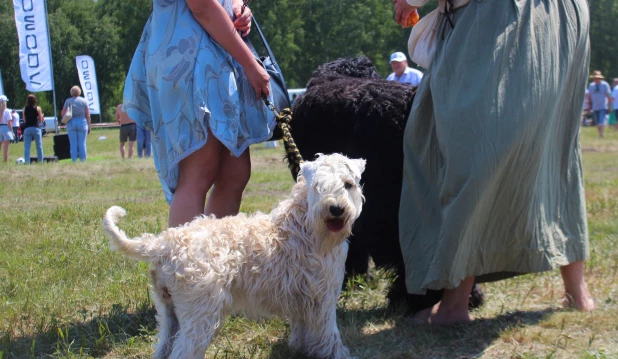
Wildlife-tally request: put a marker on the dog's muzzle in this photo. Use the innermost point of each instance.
(336, 223)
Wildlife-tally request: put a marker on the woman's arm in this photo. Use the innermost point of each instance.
(38, 109)
(64, 109)
(213, 18)
(118, 113)
(88, 117)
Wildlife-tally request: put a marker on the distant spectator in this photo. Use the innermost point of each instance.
(78, 127)
(615, 97)
(15, 117)
(128, 131)
(402, 73)
(33, 116)
(6, 136)
(600, 99)
(144, 145)
(294, 96)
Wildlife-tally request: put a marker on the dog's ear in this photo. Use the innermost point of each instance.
(357, 166)
(307, 170)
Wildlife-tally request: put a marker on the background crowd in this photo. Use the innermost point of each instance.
(304, 34)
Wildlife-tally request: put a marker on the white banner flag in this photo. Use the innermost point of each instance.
(1, 86)
(34, 55)
(88, 79)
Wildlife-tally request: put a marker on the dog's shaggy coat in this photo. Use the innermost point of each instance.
(289, 263)
(349, 109)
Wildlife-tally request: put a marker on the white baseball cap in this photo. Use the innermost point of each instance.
(398, 56)
(4, 98)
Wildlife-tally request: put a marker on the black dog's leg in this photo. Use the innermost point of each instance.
(357, 261)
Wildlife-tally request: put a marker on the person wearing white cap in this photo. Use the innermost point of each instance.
(402, 73)
(6, 123)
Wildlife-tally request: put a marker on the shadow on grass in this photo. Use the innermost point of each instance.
(94, 337)
(404, 338)
(360, 328)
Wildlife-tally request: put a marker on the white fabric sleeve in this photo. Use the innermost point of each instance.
(417, 3)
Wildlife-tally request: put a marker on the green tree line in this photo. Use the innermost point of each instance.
(302, 33)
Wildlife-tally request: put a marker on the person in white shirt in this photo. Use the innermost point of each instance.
(615, 102)
(6, 122)
(15, 117)
(402, 73)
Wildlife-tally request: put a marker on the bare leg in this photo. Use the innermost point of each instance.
(122, 149)
(6, 150)
(131, 145)
(453, 308)
(577, 295)
(600, 128)
(5, 145)
(196, 174)
(224, 199)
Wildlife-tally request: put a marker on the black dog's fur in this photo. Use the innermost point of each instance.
(349, 109)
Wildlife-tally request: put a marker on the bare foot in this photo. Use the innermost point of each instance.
(422, 317)
(583, 302)
(441, 315)
(577, 295)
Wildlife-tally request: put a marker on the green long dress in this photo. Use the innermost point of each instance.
(492, 183)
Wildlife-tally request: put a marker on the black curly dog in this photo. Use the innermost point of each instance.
(349, 109)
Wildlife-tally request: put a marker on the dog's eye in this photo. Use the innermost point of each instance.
(348, 185)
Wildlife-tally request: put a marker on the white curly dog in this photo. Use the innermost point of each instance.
(288, 263)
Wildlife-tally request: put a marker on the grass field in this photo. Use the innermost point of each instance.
(63, 294)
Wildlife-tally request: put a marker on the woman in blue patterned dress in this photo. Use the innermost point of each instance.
(196, 85)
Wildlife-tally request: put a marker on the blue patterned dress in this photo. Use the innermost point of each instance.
(181, 82)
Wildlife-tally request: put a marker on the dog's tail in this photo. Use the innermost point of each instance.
(118, 240)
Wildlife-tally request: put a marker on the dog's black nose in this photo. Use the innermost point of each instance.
(336, 211)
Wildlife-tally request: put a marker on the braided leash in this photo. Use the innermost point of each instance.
(283, 121)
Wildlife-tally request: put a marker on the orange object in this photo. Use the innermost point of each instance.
(412, 19)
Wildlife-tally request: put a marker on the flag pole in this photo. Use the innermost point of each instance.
(51, 65)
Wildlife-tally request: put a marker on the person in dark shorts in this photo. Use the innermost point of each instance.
(128, 131)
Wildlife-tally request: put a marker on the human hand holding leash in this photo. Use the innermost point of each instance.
(257, 75)
(243, 16)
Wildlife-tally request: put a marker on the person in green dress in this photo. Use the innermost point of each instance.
(492, 180)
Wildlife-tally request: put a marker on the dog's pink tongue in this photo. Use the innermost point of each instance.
(334, 225)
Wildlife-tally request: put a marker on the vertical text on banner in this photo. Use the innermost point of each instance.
(34, 54)
(88, 80)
